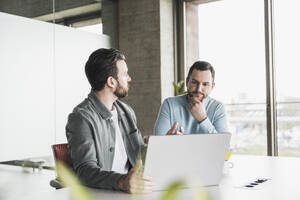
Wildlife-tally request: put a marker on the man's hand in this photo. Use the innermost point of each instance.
(197, 109)
(146, 139)
(134, 182)
(172, 130)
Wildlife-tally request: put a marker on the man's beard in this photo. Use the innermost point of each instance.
(121, 92)
(192, 94)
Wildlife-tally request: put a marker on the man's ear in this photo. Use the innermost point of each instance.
(111, 82)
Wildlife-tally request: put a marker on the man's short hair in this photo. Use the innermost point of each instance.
(202, 66)
(102, 64)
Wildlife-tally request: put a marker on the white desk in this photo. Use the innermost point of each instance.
(284, 172)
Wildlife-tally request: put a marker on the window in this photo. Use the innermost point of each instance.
(231, 38)
(287, 42)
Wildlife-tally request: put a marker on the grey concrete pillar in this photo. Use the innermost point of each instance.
(192, 34)
(110, 21)
(146, 36)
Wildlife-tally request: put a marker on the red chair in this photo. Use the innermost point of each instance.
(60, 153)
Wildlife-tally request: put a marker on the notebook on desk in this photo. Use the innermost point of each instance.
(196, 157)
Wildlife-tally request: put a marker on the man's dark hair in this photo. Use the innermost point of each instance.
(102, 64)
(202, 66)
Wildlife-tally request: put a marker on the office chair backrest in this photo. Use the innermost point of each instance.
(60, 152)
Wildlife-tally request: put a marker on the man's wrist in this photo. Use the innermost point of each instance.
(203, 119)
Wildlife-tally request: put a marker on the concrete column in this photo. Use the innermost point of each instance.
(110, 21)
(192, 34)
(187, 37)
(167, 48)
(145, 35)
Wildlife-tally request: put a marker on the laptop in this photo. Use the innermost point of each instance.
(196, 158)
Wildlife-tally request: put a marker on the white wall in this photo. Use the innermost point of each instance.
(41, 80)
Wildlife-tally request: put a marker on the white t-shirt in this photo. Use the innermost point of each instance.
(120, 157)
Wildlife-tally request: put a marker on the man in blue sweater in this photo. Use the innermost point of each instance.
(194, 112)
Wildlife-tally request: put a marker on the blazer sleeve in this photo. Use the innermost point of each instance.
(83, 154)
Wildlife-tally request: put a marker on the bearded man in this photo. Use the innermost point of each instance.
(102, 134)
(195, 112)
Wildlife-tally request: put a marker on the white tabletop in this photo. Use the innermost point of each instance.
(283, 172)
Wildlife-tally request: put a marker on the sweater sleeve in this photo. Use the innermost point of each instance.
(218, 124)
(163, 121)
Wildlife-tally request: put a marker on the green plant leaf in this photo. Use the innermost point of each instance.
(179, 88)
(68, 178)
(173, 189)
(175, 88)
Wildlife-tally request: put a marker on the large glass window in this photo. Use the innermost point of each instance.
(231, 38)
(287, 42)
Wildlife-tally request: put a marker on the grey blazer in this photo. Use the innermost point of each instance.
(91, 137)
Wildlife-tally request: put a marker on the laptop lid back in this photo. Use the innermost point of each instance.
(197, 157)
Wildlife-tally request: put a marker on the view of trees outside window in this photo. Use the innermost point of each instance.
(287, 42)
(231, 36)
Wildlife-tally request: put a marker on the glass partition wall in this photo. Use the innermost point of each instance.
(27, 77)
(42, 57)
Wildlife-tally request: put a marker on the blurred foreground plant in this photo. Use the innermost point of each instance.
(174, 188)
(70, 180)
(80, 192)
